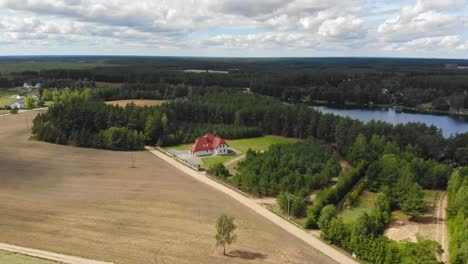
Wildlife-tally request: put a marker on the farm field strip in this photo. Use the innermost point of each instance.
(252, 204)
(49, 255)
(137, 102)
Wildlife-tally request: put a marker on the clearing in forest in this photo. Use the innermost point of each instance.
(137, 102)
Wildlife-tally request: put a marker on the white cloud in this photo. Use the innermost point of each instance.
(343, 27)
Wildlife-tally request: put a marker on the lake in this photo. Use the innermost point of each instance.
(450, 125)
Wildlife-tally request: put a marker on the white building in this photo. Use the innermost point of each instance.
(208, 145)
(18, 104)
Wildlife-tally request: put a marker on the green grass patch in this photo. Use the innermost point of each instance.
(4, 112)
(259, 143)
(365, 203)
(12, 258)
(5, 97)
(208, 162)
(180, 147)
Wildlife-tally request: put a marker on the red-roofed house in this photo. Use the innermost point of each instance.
(209, 144)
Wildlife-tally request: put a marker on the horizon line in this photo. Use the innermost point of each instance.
(231, 57)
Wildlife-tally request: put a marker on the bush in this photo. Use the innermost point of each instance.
(296, 204)
(14, 110)
(219, 170)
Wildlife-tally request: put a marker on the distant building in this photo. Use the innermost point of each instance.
(30, 86)
(27, 86)
(209, 144)
(17, 96)
(18, 104)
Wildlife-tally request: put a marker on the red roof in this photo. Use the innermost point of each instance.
(207, 142)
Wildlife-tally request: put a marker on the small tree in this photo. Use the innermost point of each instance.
(29, 102)
(413, 203)
(14, 110)
(225, 228)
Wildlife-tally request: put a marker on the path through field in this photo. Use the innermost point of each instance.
(252, 204)
(441, 233)
(234, 160)
(49, 255)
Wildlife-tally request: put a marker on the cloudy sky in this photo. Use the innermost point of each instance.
(396, 28)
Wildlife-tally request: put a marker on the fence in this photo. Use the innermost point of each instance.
(165, 151)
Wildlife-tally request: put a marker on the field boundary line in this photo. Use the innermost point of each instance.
(49, 255)
(300, 233)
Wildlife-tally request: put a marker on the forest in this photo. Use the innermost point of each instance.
(457, 212)
(418, 83)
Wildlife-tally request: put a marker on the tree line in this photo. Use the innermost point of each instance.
(457, 213)
(259, 114)
(78, 119)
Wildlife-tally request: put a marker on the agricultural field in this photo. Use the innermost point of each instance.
(92, 203)
(5, 96)
(137, 102)
(241, 145)
(12, 258)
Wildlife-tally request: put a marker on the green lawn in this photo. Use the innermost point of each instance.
(242, 145)
(210, 161)
(259, 143)
(365, 203)
(11, 258)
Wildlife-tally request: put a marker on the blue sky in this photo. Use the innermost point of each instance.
(304, 28)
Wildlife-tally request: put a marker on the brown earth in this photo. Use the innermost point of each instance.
(137, 102)
(91, 203)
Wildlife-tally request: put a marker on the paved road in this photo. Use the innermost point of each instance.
(252, 204)
(441, 233)
(49, 255)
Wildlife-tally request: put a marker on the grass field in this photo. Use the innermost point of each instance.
(137, 102)
(90, 203)
(12, 258)
(5, 96)
(208, 162)
(242, 145)
(365, 203)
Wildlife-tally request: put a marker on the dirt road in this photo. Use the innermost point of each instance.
(441, 233)
(235, 160)
(252, 204)
(49, 255)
